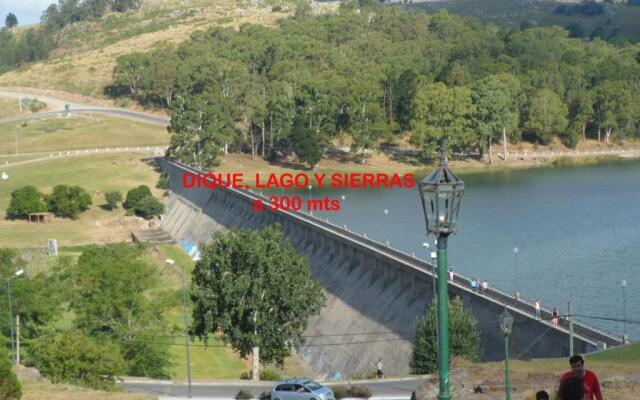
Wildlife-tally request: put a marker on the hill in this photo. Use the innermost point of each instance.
(84, 59)
(616, 23)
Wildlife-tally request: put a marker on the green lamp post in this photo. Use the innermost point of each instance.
(506, 324)
(441, 192)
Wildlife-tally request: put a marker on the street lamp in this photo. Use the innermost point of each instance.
(515, 262)
(184, 309)
(13, 340)
(623, 284)
(506, 324)
(441, 192)
(386, 212)
(309, 201)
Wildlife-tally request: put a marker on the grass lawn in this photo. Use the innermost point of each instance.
(8, 107)
(97, 175)
(78, 132)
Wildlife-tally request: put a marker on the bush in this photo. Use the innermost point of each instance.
(24, 201)
(246, 375)
(113, 198)
(135, 195)
(359, 391)
(340, 392)
(244, 395)
(268, 375)
(464, 338)
(276, 8)
(148, 207)
(73, 357)
(265, 396)
(68, 201)
(9, 386)
(163, 182)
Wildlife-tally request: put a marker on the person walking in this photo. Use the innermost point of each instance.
(554, 316)
(379, 369)
(590, 383)
(451, 275)
(536, 305)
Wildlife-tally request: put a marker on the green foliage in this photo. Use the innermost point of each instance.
(135, 195)
(269, 375)
(243, 395)
(24, 201)
(340, 392)
(11, 20)
(115, 296)
(547, 116)
(360, 391)
(284, 294)
(148, 206)
(265, 396)
(74, 357)
(33, 105)
(113, 197)
(163, 182)
(10, 388)
(68, 201)
(305, 143)
(464, 338)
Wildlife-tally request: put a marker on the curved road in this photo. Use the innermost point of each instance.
(57, 107)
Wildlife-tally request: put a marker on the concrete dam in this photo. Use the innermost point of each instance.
(374, 294)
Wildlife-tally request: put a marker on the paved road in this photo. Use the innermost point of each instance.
(57, 107)
(387, 388)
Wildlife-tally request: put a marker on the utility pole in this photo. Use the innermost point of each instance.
(570, 318)
(17, 339)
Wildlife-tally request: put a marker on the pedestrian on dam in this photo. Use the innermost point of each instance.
(451, 275)
(589, 380)
(379, 369)
(485, 286)
(474, 284)
(554, 316)
(536, 305)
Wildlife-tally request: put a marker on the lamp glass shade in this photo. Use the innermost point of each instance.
(506, 322)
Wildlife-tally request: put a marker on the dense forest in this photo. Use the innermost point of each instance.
(36, 43)
(373, 73)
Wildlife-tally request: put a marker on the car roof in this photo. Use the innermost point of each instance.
(300, 381)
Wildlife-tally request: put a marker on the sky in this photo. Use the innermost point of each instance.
(27, 11)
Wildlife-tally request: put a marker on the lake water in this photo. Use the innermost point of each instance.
(577, 230)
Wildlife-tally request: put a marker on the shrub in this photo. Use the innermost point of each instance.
(265, 396)
(68, 201)
(9, 386)
(163, 182)
(340, 392)
(464, 338)
(135, 195)
(113, 198)
(73, 357)
(268, 375)
(244, 395)
(277, 8)
(148, 207)
(24, 201)
(246, 375)
(359, 391)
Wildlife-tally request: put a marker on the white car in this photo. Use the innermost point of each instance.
(300, 389)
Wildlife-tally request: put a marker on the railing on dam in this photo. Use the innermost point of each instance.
(461, 282)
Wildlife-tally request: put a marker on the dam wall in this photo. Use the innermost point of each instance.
(375, 294)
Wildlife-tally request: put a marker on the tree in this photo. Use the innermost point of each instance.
(547, 116)
(496, 107)
(24, 201)
(68, 201)
(464, 338)
(148, 206)
(442, 111)
(116, 296)
(305, 143)
(255, 289)
(614, 109)
(113, 197)
(9, 385)
(74, 357)
(11, 20)
(135, 195)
